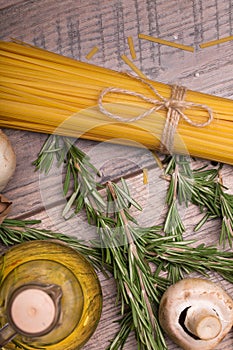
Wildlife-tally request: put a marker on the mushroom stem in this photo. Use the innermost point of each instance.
(204, 323)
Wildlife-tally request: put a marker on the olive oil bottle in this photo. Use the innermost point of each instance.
(50, 297)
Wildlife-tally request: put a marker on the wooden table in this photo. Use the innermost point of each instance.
(73, 28)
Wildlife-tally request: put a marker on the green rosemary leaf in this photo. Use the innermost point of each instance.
(226, 204)
(171, 191)
(79, 204)
(48, 152)
(70, 203)
(20, 223)
(173, 224)
(67, 180)
(125, 196)
(199, 259)
(202, 222)
(126, 326)
(206, 175)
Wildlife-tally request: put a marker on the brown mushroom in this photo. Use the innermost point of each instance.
(196, 313)
(7, 160)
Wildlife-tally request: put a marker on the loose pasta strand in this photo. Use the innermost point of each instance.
(131, 47)
(216, 42)
(133, 67)
(166, 42)
(93, 51)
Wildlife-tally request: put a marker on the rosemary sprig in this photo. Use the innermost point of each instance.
(203, 188)
(189, 258)
(51, 149)
(135, 281)
(18, 231)
(79, 174)
(212, 198)
(179, 192)
(226, 205)
(126, 327)
(143, 261)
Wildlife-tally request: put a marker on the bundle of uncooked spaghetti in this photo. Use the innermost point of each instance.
(46, 92)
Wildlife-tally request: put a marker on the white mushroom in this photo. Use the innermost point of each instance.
(196, 313)
(7, 160)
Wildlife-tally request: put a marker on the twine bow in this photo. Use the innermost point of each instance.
(174, 106)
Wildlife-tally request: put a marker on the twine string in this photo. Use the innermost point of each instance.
(174, 106)
(172, 120)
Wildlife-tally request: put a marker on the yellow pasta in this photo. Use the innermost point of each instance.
(131, 47)
(145, 176)
(93, 51)
(216, 42)
(165, 42)
(45, 92)
(133, 67)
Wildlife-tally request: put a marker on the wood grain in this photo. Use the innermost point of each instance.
(73, 28)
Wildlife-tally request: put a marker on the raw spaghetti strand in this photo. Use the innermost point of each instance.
(133, 67)
(93, 51)
(165, 42)
(131, 47)
(216, 42)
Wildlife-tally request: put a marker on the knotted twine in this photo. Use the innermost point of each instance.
(174, 106)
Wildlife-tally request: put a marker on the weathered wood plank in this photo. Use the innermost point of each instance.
(72, 28)
(4, 4)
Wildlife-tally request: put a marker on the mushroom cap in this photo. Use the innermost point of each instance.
(200, 296)
(7, 160)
